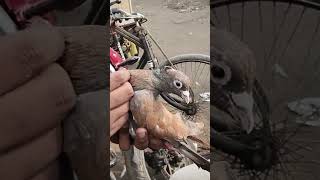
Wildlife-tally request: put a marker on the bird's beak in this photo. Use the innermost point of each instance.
(242, 110)
(186, 96)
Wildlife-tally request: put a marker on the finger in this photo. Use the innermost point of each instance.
(118, 124)
(118, 112)
(121, 95)
(36, 106)
(124, 139)
(155, 143)
(26, 53)
(36, 22)
(141, 141)
(118, 78)
(30, 157)
(115, 138)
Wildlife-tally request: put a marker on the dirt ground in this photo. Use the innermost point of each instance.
(179, 26)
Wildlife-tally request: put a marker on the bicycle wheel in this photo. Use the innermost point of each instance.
(284, 36)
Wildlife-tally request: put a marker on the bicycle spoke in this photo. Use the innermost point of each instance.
(311, 43)
(214, 16)
(229, 18)
(261, 28)
(196, 75)
(242, 20)
(277, 36)
(291, 36)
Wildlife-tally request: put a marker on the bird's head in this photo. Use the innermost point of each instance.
(233, 76)
(175, 82)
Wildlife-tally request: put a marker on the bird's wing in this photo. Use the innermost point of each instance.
(141, 79)
(150, 113)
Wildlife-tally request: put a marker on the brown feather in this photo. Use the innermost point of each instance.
(151, 114)
(141, 79)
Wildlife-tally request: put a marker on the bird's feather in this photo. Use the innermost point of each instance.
(150, 113)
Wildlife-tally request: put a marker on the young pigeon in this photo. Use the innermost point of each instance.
(149, 111)
(147, 108)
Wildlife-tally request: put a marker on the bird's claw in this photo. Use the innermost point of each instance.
(132, 126)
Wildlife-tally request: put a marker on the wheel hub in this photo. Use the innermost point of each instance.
(261, 158)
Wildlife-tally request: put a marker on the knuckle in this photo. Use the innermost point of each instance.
(123, 110)
(121, 76)
(29, 57)
(129, 89)
(125, 118)
(126, 108)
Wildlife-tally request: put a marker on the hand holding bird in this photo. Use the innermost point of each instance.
(149, 112)
(147, 108)
(120, 95)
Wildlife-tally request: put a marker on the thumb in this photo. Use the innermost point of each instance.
(37, 21)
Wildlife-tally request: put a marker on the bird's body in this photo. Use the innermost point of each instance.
(148, 110)
(141, 79)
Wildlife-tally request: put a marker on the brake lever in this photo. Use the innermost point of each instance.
(130, 61)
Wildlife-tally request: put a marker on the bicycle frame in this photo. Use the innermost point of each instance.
(141, 41)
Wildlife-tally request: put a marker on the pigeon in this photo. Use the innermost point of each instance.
(233, 76)
(149, 111)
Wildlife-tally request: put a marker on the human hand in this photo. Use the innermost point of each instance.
(83, 52)
(120, 94)
(36, 94)
(142, 140)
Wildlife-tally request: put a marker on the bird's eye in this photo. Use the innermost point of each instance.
(177, 84)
